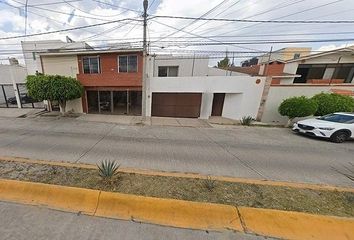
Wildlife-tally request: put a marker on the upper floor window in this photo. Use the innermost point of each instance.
(168, 71)
(91, 65)
(128, 63)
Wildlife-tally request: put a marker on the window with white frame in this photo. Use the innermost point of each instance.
(91, 65)
(128, 63)
(168, 71)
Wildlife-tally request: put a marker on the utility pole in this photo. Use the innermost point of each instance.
(144, 83)
(14, 85)
(265, 71)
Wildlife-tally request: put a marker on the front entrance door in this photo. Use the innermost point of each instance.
(218, 104)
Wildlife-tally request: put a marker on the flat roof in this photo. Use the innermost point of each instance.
(90, 51)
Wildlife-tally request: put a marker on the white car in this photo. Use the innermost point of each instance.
(338, 127)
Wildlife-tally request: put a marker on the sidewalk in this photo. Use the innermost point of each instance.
(18, 112)
(150, 121)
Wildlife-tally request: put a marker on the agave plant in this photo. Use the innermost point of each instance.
(107, 169)
(247, 120)
(209, 183)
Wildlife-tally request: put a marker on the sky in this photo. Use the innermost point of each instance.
(176, 36)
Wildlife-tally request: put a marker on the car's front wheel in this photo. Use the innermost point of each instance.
(339, 136)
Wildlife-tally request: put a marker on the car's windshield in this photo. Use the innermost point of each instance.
(339, 118)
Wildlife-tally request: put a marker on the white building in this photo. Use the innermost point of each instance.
(190, 88)
(13, 72)
(32, 49)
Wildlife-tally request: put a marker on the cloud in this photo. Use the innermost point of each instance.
(82, 13)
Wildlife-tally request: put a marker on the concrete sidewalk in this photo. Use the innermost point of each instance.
(22, 222)
(18, 112)
(150, 121)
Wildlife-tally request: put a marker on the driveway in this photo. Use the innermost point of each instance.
(250, 152)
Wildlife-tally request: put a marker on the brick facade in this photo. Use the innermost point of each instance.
(109, 75)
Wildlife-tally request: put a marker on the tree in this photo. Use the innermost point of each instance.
(54, 88)
(297, 107)
(225, 63)
(332, 102)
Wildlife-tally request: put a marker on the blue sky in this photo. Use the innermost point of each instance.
(74, 13)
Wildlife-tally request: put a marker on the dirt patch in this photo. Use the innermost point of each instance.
(238, 194)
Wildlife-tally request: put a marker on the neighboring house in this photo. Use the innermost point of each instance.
(112, 78)
(13, 70)
(330, 71)
(176, 90)
(32, 50)
(285, 54)
(12, 86)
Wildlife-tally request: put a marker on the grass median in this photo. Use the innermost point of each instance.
(325, 202)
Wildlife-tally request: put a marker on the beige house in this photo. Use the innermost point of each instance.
(285, 54)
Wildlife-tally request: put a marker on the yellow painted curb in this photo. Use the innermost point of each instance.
(168, 212)
(176, 213)
(295, 225)
(54, 196)
(321, 187)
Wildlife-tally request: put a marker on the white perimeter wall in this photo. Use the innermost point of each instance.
(242, 96)
(278, 93)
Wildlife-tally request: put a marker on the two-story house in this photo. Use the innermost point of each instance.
(328, 71)
(112, 78)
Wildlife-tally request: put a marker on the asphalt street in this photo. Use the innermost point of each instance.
(250, 152)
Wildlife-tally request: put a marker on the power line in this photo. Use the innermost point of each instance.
(211, 39)
(194, 20)
(258, 42)
(288, 15)
(97, 15)
(274, 8)
(235, 3)
(52, 3)
(60, 12)
(258, 21)
(69, 29)
(113, 5)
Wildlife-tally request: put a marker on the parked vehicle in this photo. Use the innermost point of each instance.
(338, 127)
(24, 99)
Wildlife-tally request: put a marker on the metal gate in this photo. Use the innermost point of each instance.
(8, 98)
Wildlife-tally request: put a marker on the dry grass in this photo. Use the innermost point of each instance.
(239, 194)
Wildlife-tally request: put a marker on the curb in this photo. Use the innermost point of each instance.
(168, 212)
(178, 213)
(323, 187)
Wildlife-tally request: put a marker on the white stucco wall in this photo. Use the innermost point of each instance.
(212, 71)
(278, 93)
(242, 96)
(19, 74)
(61, 65)
(185, 65)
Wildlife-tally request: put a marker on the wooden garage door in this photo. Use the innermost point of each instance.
(186, 105)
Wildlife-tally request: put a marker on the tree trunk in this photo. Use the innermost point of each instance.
(289, 123)
(62, 104)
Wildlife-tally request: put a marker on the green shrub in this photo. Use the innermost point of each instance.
(331, 102)
(247, 121)
(297, 107)
(54, 88)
